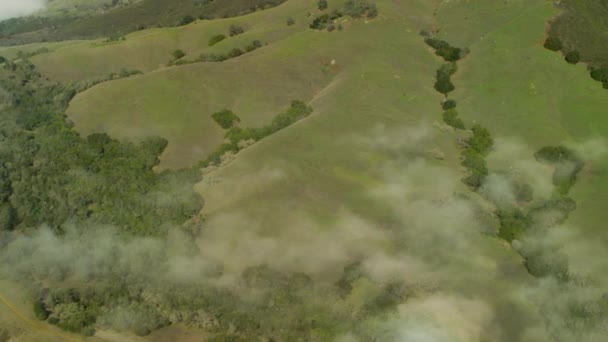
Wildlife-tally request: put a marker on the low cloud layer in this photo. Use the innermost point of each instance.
(16, 8)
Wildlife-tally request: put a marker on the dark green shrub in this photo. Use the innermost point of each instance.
(2, 60)
(481, 141)
(235, 30)
(186, 20)
(444, 84)
(216, 39)
(451, 118)
(360, 9)
(445, 50)
(256, 44)
(573, 57)
(234, 53)
(40, 309)
(177, 54)
(225, 118)
(290, 21)
(322, 5)
(553, 44)
(322, 22)
(448, 104)
(513, 224)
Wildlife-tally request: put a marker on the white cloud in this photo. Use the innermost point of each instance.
(16, 8)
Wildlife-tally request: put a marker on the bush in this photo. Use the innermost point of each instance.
(177, 54)
(553, 44)
(39, 309)
(360, 9)
(290, 22)
(445, 50)
(225, 118)
(444, 84)
(324, 21)
(322, 5)
(451, 118)
(216, 39)
(256, 44)
(235, 30)
(186, 20)
(448, 104)
(481, 141)
(2, 60)
(573, 57)
(513, 224)
(234, 53)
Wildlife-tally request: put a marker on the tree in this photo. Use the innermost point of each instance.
(451, 118)
(216, 39)
(290, 22)
(186, 20)
(235, 30)
(225, 118)
(3, 60)
(322, 5)
(177, 54)
(553, 43)
(573, 57)
(448, 104)
(444, 85)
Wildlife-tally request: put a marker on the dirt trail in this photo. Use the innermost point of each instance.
(35, 325)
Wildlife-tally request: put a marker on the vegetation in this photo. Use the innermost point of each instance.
(290, 21)
(448, 104)
(236, 135)
(325, 21)
(187, 19)
(322, 5)
(234, 52)
(473, 156)
(55, 176)
(450, 117)
(360, 9)
(235, 30)
(216, 39)
(566, 163)
(448, 52)
(226, 118)
(553, 43)
(443, 83)
(140, 14)
(573, 57)
(177, 54)
(600, 75)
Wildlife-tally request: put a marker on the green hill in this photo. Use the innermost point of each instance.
(358, 222)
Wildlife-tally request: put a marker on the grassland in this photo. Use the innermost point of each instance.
(546, 102)
(371, 86)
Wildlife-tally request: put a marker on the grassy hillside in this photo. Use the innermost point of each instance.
(98, 20)
(372, 176)
(151, 49)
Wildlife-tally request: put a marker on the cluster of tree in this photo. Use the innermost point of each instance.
(553, 43)
(235, 135)
(474, 156)
(235, 30)
(212, 57)
(354, 8)
(115, 38)
(442, 48)
(25, 55)
(566, 165)
(216, 39)
(326, 21)
(360, 9)
(50, 175)
(443, 82)
(450, 117)
(226, 118)
(322, 5)
(137, 16)
(600, 74)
